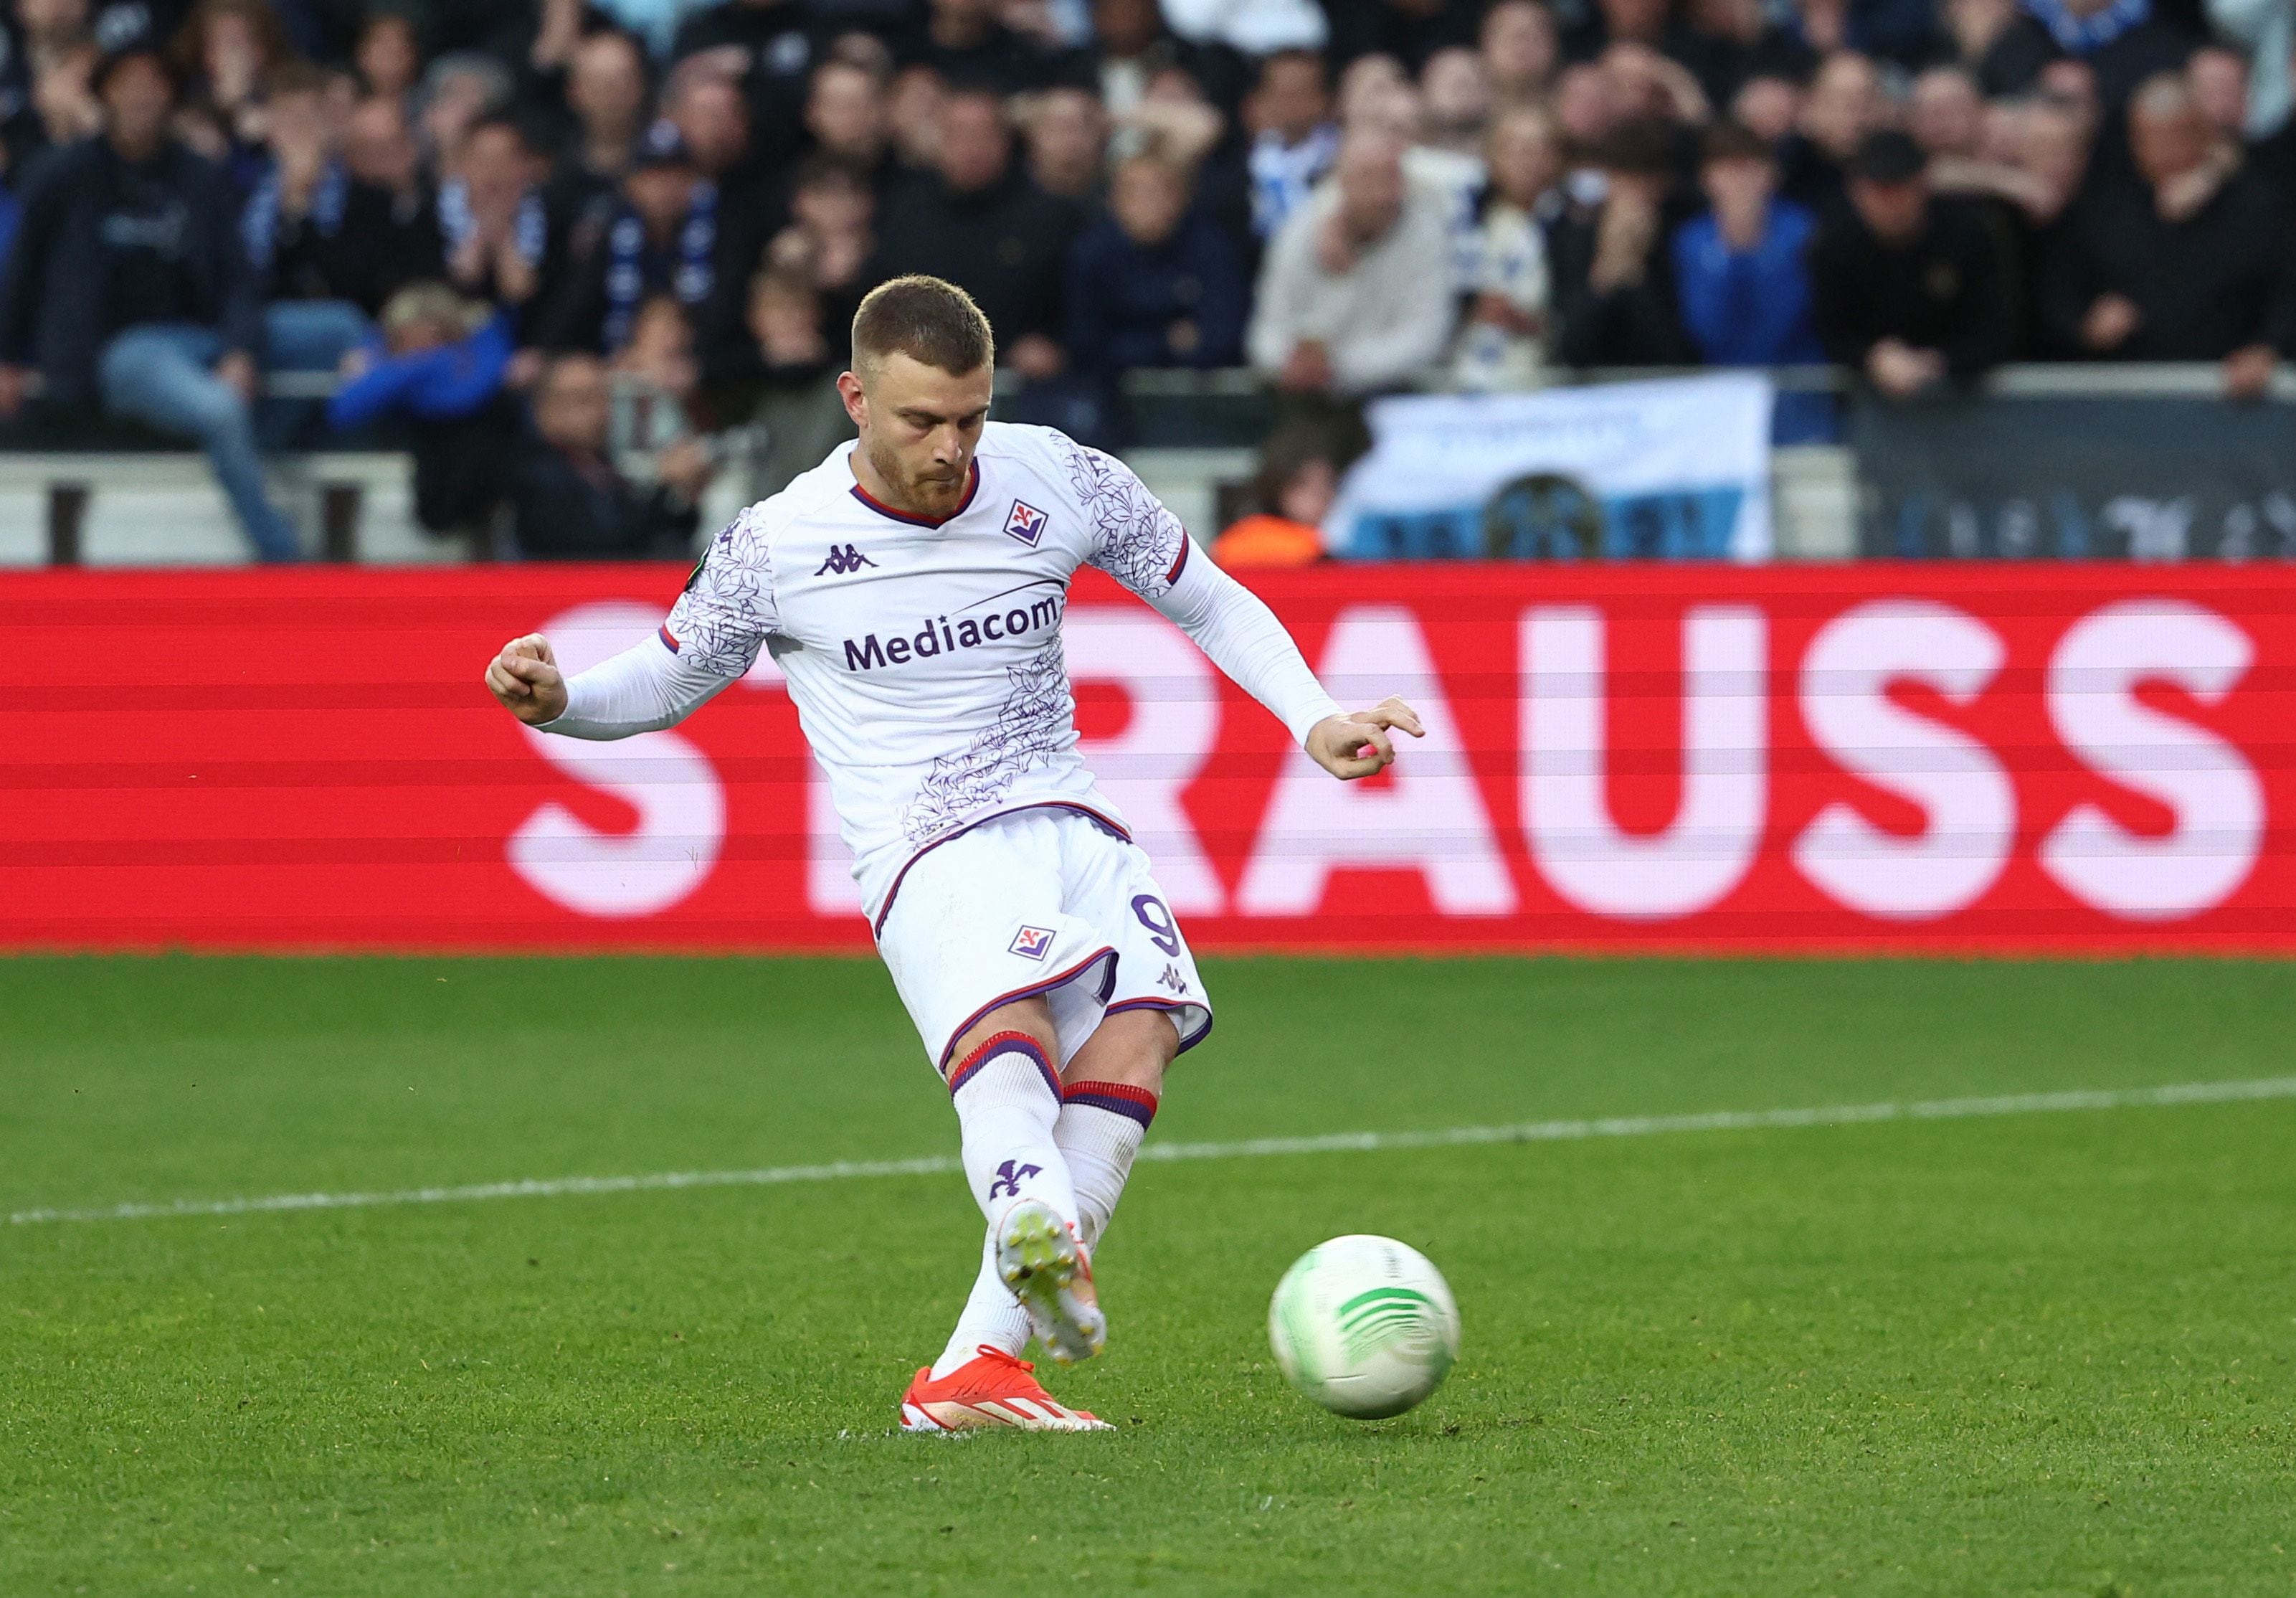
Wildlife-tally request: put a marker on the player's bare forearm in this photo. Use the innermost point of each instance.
(1358, 744)
(525, 677)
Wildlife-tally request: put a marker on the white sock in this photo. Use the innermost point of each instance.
(1099, 1132)
(1007, 1098)
(991, 1315)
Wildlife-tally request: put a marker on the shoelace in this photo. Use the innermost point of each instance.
(1003, 1358)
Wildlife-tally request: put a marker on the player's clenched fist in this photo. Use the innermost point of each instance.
(525, 677)
(1357, 745)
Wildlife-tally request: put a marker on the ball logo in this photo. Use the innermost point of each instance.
(1026, 524)
(1031, 943)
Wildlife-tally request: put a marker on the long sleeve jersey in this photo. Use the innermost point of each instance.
(925, 657)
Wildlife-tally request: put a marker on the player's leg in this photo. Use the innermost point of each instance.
(1008, 1107)
(1109, 1096)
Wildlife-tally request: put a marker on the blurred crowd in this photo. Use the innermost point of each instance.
(587, 255)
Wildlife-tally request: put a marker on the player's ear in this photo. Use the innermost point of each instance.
(856, 397)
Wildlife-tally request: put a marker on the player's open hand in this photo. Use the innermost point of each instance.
(1358, 744)
(525, 677)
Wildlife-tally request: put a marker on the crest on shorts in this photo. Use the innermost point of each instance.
(1026, 524)
(1031, 943)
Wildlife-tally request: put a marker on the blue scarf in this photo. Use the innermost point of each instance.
(695, 275)
(2078, 35)
(260, 222)
(457, 222)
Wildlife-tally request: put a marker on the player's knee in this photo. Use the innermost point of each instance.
(1133, 1047)
(1031, 1019)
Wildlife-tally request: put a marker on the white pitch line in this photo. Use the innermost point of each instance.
(1338, 1142)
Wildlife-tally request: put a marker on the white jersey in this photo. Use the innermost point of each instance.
(925, 657)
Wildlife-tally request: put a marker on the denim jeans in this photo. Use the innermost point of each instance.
(304, 335)
(162, 374)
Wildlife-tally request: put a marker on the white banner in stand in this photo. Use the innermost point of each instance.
(1676, 468)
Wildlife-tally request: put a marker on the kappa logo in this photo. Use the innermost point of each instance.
(1006, 1183)
(841, 561)
(1172, 979)
(1026, 524)
(1031, 943)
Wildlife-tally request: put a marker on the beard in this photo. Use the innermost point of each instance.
(924, 490)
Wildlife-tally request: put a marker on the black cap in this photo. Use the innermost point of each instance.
(662, 146)
(1887, 157)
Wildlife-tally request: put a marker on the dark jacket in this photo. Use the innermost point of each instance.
(1637, 326)
(2215, 283)
(565, 509)
(1124, 297)
(373, 249)
(53, 298)
(1006, 245)
(1945, 291)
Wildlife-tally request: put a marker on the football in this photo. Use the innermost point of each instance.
(1365, 1326)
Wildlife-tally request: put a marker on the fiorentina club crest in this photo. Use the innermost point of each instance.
(1032, 943)
(1026, 524)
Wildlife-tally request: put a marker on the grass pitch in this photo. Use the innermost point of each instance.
(2025, 1354)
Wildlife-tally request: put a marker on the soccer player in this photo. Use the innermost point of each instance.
(910, 588)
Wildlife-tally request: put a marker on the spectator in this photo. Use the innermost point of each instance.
(1503, 341)
(403, 242)
(1521, 48)
(1344, 306)
(1409, 31)
(2218, 78)
(500, 245)
(440, 364)
(845, 113)
(912, 118)
(566, 501)
(224, 53)
(1740, 273)
(1297, 482)
(763, 50)
(606, 92)
(791, 367)
(2265, 31)
(1771, 105)
(652, 378)
(1455, 93)
(458, 93)
(389, 55)
(663, 238)
(128, 285)
(1154, 283)
(2191, 263)
(2121, 42)
(1729, 42)
(316, 237)
(990, 230)
(1615, 303)
(1845, 104)
(966, 42)
(1908, 290)
(1066, 132)
(1945, 111)
(1293, 137)
(832, 238)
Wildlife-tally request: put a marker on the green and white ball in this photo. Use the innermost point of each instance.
(1365, 1326)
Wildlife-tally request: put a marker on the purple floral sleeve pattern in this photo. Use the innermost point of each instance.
(722, 619)
(1134, 539)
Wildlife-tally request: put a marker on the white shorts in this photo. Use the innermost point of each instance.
(1046, 900)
